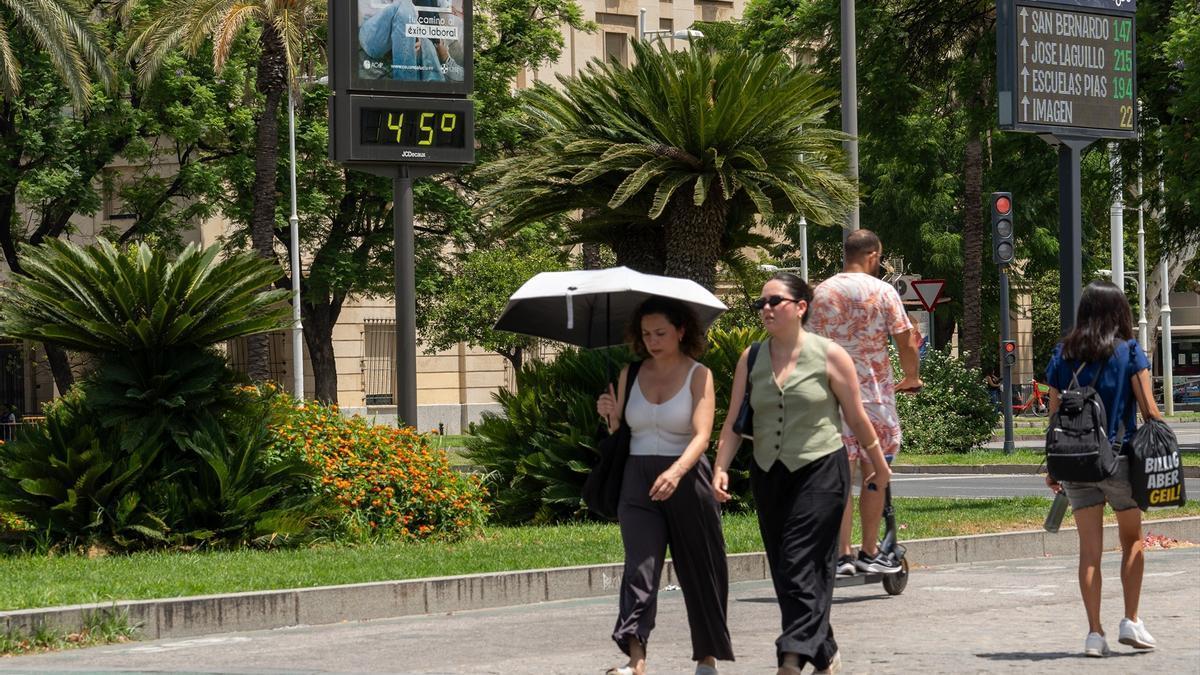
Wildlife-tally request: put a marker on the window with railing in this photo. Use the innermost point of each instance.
(237, 355)
(379, 358)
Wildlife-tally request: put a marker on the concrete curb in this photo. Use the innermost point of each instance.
(260, 610)
(996, 469)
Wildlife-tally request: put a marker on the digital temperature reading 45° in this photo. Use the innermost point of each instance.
(412, 128)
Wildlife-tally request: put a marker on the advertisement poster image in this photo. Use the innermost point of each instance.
(410, 40)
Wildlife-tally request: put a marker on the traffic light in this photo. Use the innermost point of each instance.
(1008, 350)
(1003, 250)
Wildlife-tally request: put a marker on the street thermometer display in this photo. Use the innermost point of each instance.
(1068, 67)
(404, 129)
(412, 128)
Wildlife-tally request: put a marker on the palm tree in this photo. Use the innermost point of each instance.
(61, 29)
(282, 27)
(666, 158)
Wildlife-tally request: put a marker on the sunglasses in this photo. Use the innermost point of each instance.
(773, 301)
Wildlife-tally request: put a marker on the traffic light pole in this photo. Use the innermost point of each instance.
(1005, 368)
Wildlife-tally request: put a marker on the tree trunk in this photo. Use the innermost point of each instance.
(972, 326)
(272, 82)
(1176, 263)
(318, 335)
(640, 247)
(60, 367)
(692, 236)
(591, 256)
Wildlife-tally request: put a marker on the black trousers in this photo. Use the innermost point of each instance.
(690, 523)
(800, 515)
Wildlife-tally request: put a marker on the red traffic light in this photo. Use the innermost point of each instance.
(1010, 347)
(1003, 205)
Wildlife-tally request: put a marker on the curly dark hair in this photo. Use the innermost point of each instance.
(678, 315)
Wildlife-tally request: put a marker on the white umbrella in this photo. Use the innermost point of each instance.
(590, 308)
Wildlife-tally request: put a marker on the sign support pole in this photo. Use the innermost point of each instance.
(406, 299)
(1070, 229)
(1005, 369)
(932, 327)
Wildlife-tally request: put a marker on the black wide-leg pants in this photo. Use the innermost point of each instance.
(800, 515)
(690, 523)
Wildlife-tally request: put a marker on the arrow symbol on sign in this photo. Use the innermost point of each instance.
(1024, 46)
(1023, 15)
(1024, 78)
(1025, 107)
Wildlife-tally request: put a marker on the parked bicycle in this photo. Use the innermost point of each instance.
(1038, 403)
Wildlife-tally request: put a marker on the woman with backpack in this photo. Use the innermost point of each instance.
(1101, 354)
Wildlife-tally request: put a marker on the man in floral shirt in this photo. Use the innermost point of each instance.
(860, 312)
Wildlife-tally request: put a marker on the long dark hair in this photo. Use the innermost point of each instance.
(678, 315)
(1103, 318)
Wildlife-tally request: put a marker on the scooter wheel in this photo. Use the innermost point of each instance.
(894, 584)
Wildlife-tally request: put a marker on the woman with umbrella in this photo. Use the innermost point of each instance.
(666, 492)
(800, 474)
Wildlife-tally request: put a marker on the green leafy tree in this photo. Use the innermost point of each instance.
(664, 155)
(56, 163)
(466, 307)
(62, 32)
(346, 216)
(283, 30)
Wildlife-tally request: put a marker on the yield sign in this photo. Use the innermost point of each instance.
(928, 291)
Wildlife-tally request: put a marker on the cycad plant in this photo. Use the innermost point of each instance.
(664, 156)
(155, 446)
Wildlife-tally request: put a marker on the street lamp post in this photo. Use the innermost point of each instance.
(644, 35)
(850, 104)
(804, 248)
(294, 227)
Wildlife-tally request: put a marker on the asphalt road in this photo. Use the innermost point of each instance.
(1020, 616)
(954, 485)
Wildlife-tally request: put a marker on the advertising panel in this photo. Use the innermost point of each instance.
(403, 46)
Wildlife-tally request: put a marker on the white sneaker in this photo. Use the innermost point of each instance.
(1134, 634)
(1095, 645)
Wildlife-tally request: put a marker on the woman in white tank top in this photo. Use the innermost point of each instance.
(666, 491)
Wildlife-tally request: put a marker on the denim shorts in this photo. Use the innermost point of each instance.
(1115, 490)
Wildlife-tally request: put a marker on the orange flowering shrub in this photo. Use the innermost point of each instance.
(10, 523)
(387, 482)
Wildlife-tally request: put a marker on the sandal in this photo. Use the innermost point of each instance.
(619, 670)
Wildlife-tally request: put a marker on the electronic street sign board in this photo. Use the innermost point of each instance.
(1067, 68)
(402, 46)
(402, 129)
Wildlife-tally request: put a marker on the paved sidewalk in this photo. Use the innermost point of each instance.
(1015, 616)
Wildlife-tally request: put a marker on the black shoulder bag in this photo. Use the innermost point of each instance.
(743, 425)
(602, 489)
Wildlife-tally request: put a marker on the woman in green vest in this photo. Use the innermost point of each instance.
(800, 475)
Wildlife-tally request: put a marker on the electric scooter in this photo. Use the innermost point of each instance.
(895, 583)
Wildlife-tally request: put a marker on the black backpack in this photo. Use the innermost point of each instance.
(1077, 447)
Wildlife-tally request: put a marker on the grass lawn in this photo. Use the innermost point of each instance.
(40, 581)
